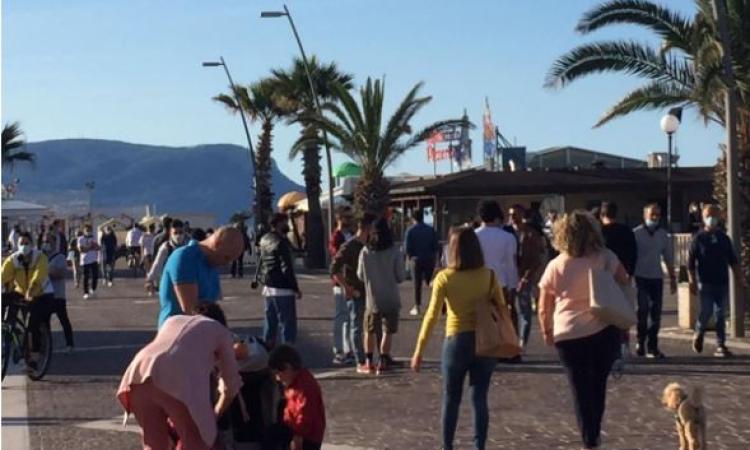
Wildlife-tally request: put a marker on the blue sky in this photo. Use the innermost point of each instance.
(130, 70)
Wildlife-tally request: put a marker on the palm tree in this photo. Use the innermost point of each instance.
(684, 71)
(294, 90)
(259, 104)
(361, 133)
(12, 143)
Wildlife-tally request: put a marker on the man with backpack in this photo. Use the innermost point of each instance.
(177, 238)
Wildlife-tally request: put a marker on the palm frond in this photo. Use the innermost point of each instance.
(618, 56)
(674, 29)
(655, 95)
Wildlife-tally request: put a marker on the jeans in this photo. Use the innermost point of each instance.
(713, 296)
(109, 269)
(90, 272)
(60, 309)
(587, 362)
(650, 294)
(355, 336)
(524, 297)
(340, 323)
(458, 359)
(238, 266)
(281, 312)
(421, 272)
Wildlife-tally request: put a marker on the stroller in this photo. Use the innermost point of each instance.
(257, 411)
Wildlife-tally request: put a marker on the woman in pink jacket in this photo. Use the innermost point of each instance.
(167, 383)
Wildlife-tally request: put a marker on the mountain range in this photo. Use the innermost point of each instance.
(214, 178)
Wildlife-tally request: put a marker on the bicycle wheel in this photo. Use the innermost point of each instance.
(39, 369)
(7, 348)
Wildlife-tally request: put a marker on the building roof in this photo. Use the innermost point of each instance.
(557, 149)
(479, 182)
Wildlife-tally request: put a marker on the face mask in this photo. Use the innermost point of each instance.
(651, 223)
(178, 239)
(711, 221)
(89, 233)
(25, 249)
(47, 247)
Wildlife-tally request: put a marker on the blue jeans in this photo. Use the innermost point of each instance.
(340, 324)
(713, 296)
(355, 337)
(458, 359)
(650, 296)
(281, 312)
(524, 308)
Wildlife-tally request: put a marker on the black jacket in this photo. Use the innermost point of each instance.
(276, 268)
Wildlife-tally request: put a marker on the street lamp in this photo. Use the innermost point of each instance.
(232, 86)
(329, 165)
(669, 124)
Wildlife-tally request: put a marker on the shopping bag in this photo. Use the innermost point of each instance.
(609, 302)
(495, 335)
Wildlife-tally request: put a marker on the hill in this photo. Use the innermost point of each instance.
(206, 178)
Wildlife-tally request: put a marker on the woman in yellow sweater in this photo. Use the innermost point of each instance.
(465, 282)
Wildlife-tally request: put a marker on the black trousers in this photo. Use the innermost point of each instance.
(587, 362)
(39, 314)
(238, 268)
(90, 272)
(421, 273)
(60, 309)
(650, 298)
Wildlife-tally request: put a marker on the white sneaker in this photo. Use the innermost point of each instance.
(109, 284)
(85, 296)
(414, 311)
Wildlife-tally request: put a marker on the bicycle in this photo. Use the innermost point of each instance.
(16, 339)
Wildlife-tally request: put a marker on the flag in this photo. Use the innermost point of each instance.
(489, 133)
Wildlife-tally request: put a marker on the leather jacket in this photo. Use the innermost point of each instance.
(276, 267)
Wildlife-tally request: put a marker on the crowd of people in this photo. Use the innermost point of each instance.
(521, 265)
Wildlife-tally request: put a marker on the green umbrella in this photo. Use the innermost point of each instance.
(347, 169)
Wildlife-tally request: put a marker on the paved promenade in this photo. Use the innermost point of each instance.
(74, 407)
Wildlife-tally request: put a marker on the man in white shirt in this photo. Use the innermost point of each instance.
(15, 233)
(147, 247)
(89, 249)
(500, 249)
(133, 242)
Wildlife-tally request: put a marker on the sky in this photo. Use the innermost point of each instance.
(131, 70)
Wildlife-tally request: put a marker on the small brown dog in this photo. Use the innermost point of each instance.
(689, 414)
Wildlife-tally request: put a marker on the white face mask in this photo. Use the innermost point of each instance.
(711, 221)
(25, 249)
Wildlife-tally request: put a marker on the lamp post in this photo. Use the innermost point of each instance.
(669, 124)
(232, 86)
(329, 165)
(90, 187)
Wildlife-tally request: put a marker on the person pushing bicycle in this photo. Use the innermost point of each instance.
(25, 277)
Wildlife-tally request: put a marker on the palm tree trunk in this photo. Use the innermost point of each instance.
(263, 166)
(372, 193)
(315, 257)
(720, 191)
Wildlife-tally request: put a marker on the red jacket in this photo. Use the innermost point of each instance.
(304, 412)
(334, 242)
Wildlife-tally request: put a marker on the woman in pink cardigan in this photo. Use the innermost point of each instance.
(167, 383)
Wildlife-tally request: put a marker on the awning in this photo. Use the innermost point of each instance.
(22, 210)
(289, 200)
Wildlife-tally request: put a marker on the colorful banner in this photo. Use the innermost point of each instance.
(490, 142)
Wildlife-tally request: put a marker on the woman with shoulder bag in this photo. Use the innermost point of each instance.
(587, 346)
(462, 286)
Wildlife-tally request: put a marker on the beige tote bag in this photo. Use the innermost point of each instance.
(609, 301)
(495, 335)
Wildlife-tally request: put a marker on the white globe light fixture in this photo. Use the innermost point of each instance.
(669, 123)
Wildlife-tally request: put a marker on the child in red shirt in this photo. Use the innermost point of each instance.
(304, 414)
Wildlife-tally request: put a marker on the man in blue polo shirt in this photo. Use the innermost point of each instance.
(190, 275)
